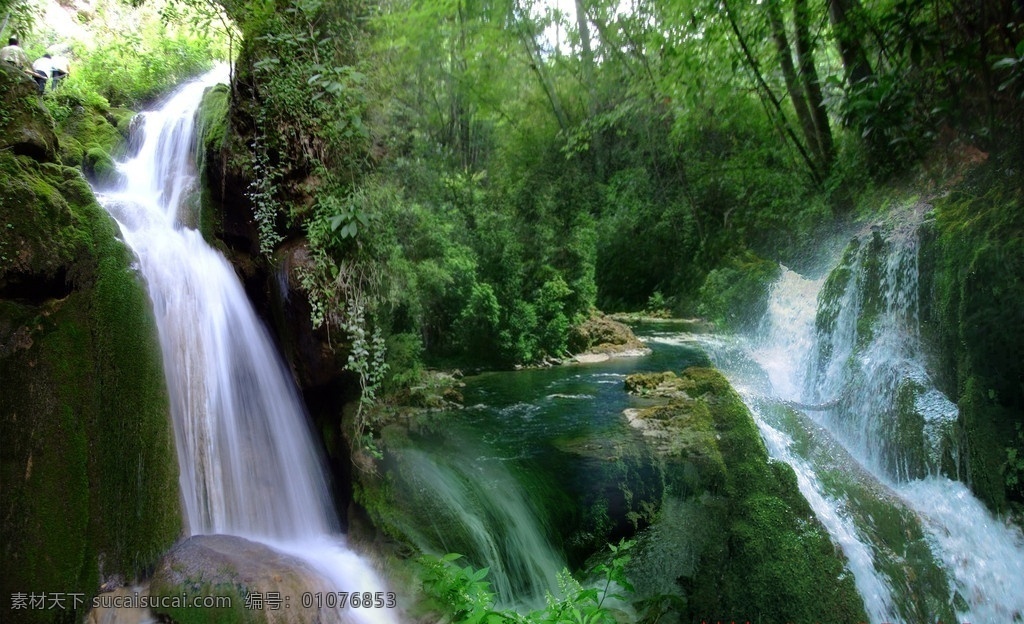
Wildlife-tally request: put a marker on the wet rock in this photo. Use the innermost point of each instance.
(666, 384)
(89, 472)
(245, 572)
(759, 548)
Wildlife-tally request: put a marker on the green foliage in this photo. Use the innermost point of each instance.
(463, 593)
(307, 110)
(1012, 69)
(893, 127)
(131, 69)
(125, 66)
(1013, 467)
(736, 295)
(19, 18)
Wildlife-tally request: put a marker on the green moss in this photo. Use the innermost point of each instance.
(212, 122)
(870, 274)
(977, 255)
(138, 465)
(89, 469)
(905, 432)
(646, 383)
(72, 153)
(904, 553)
(830, 299)
(231, 610)
(211, 130)
(121, 119)
(91, 126)
(771, 560)
(45, 526)
(91, 138)
(100, 167)
(25, 125)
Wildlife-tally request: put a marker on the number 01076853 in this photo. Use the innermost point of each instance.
(352, 600)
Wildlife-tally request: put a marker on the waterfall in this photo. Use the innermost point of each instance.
(249, 464)
(478, 509)
(877, 456)
(869, 358)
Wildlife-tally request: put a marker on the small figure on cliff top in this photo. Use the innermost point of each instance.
(60, 70)
(42, 69)
(14, 55)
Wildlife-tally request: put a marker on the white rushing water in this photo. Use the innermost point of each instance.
(248, 462)
(478, 509)
(863, 373)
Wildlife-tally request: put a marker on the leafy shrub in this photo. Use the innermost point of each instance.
(464, 595)
(735, 296)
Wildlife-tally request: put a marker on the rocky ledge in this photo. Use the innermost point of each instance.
(600, 338)
(754, 550)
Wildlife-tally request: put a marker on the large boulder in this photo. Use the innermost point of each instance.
(602, 335)
(262, 584)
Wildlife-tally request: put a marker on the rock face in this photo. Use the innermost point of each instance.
(232, 567)
(91, 139)
(89, 472)
(972, 269)
(735, 540)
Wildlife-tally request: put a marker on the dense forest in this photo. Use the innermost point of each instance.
(410, 186)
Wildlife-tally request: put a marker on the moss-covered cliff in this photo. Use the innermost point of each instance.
(90, 490)
(973, 278)
(756, 551)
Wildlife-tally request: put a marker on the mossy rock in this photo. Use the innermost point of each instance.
(91, 126)
(26, 127)
(100, 167)
(765, 557)
(212, 118)
(89, 468)
(121, 119)
(602, 334)
(974, 263)
(72, 154)
(92, 138)
(664, 384)
(921, 437)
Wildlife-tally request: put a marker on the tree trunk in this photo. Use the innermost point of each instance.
(537, 65)
(587, 64)
(768, 96)
(809, 76)
(793, 87)
(855, 60)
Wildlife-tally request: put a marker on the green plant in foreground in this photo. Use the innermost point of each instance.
(1013, 467)
(464, 594)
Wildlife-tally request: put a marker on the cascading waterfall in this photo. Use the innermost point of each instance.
(855, 368)
(248, 462)
(870, 360)
(478, 509)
